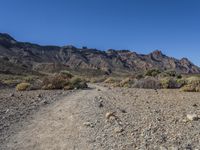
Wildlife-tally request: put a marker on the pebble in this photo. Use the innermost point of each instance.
(88, 124)
(192, 117)
(109, 114)
(163, 148)
(12, 95)
(118, 129)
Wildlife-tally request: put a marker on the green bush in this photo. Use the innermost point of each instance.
(152, 72)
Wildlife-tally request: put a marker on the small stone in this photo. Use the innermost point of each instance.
(45, 102)
(163, 148)
(194, 105)
(109, 114)
(100, 104)
(118, 130)
(11, 95)
(185, 120)
(98, 89)
(174, 148)
(192, 117)
(39, 95)
(88, 124)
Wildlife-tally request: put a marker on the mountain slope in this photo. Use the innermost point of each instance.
(28, 56)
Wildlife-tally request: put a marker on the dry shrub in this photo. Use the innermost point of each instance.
(148, 83)
(193, 80)
(110, 80)
(172, 83)
(66, 74)
(60, 81)
(127, 82)
(191, 88)
(54, 82)
(77, 83)
(193, 84)
(23, 86)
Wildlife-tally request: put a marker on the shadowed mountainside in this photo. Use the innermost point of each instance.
(17, 57)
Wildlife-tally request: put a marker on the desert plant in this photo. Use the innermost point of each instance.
(127, 82)
(111, 80)
(54, 82)
(66, 74)
(193, 80)
(172, 83)
(77, 83)
(191, 88)
(139, 76)
(148, 83)
(152, 72)
(29, 78)
(23, 86)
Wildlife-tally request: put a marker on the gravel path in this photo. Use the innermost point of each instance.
(103, 118)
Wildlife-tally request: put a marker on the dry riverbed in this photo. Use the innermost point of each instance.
(100, 118)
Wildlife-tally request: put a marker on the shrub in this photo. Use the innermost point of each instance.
(152, 72)
(23, 86)
(54, 82)
(111, 80)
(192, 84)
(29, 78)
(77, 83)
(139, 76)
(66, 74)
(193, 80)
(127, 82)
(191, 88)
(148, 83)
(59, 81)
(170, 73)
(172, 83)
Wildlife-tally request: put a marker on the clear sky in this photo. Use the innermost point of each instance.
(172, 26)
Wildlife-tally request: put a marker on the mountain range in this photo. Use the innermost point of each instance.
(19, 57)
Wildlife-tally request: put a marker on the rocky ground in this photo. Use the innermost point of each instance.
(15, 107)
(102, 118)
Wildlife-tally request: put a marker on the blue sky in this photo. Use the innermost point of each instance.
(172, 26)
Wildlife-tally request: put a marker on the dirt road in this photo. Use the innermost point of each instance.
(102, 118)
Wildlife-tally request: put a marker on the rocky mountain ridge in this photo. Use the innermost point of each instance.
(23, 56)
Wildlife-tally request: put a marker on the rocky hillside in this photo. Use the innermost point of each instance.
(17, 57)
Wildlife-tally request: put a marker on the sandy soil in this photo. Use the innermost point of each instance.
(103, 118)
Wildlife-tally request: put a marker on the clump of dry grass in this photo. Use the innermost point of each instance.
(192, 84)
(191, 88)
(172, 83)
(23, 86)
(127, 82)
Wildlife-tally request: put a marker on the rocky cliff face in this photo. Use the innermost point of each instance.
(23, 56)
